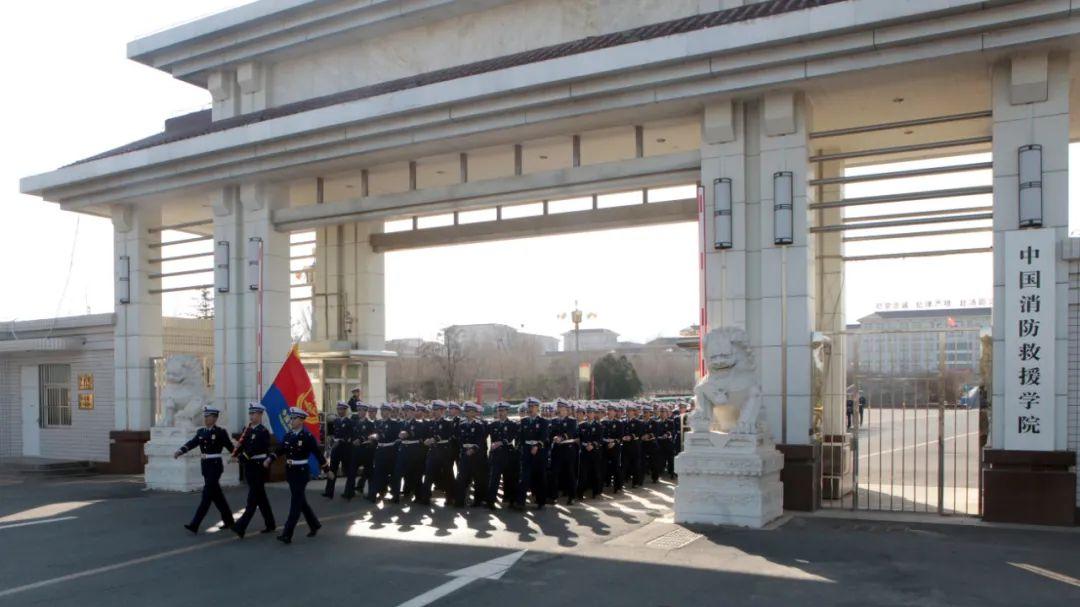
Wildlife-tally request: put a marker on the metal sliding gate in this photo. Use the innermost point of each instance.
(910, 439)
(913, 436)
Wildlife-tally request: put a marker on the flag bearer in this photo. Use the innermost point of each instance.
(297, 447)
(211, 441)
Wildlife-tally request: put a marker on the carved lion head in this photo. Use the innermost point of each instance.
(184, 369)
(726, 349)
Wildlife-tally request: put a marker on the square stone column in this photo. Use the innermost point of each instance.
(251, 325)
(138, 332)
(782, 296)
(1024, 479)
(349, 305)
(764, 288)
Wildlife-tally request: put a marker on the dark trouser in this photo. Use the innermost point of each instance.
(564, 466)
(654, 464)
(363, 459)
(667, 455)
(382, 469)
(211, 493)
(633, 467)
(410, 468)
(589, 471)
(256, 474)
(501, 467)
(472, 470)
(298, 477)
(438, 461)
(533, 475)
(613, 471)
(341, 456)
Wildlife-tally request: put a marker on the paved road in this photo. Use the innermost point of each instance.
(126, 545)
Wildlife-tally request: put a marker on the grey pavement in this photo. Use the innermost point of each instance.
(125, 544)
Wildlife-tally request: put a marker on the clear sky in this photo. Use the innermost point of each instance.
(71, 93)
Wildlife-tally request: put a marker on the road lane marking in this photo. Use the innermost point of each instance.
(1053, 575)
(41, 522)
(113, 567)
(915, 446)
(137, 561)
(488, 570)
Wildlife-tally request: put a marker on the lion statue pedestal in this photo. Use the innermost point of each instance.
(182, 399)
(729, 470)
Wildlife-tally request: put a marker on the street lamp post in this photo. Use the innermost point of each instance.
(576, 316)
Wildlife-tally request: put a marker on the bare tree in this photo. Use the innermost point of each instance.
(450, 355)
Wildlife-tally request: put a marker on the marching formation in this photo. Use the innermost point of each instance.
(408, 451)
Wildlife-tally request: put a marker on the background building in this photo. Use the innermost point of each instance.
(914, 341)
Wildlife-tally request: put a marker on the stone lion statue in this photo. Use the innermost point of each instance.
(184, 394)
(728, 399)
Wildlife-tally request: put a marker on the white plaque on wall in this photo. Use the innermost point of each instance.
(1029, 340)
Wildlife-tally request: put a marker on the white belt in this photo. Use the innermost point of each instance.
(469, 446)
(532, 442)
(256, 457)
(296, 462)
(409, 442)
(211, 456)
(443, 442)
(387, 444)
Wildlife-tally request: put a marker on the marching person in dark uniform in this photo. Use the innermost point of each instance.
(679, 416)
(387, 429)
(449, 484)
(252, 450)
(591, 435)
(503, 433)
(297, 446)
(343, 433)
(667, 430)
(472, 459)
(363, 446)
(634, 430)
(211, 441)
(409, 467)
(650, 447)
(612, 430)
(532, 441)
(564, 453)
(440, 453)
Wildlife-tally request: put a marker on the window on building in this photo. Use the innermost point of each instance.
(54, 384)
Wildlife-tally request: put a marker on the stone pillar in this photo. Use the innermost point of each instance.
(365, 303)
(723, 156)
(137, 335)
(328, 291)
(1030, 106)
(837, 463)
(756, 285)
(243, 316)
(781, 311)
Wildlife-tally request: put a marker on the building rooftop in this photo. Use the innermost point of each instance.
(932, 313)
